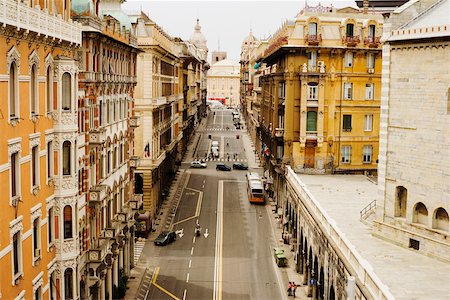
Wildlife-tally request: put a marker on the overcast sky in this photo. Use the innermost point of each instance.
(227, 21)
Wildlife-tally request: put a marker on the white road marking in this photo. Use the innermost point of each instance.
(192, 250)
(190, 263)
(187, 277)
(218, 250)
(184, 294)
(193, 240)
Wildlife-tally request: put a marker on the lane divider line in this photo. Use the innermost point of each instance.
(217, 290)
(184, 294)
(190, 263)
(192, 250)
(187, 278)
(160, 287)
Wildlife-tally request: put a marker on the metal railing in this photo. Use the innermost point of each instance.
(365, 211)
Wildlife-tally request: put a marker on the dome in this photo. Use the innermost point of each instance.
(197, 38)
(249, 39)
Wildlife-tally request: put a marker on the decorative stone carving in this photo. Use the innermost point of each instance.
(12, 56)
(37, 213)
(68, 183)
(35, 141)
(67, 118)
(49, 62)
(304, 68)
(15, 226)
(33, 60)
(38, 284)
(68, 246)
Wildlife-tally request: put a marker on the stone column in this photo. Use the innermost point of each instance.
(121, 251)
(102, 289)
(115, 278)
(109, 283)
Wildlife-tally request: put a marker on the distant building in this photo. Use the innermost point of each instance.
(414, 176)
(223, 81)
(217, 56)
(380, 6)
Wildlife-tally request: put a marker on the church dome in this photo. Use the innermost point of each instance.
(250, 39)
(197, 38)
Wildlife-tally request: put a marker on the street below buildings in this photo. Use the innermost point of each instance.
(232, 257)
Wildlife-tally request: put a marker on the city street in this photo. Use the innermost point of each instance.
(232, 258)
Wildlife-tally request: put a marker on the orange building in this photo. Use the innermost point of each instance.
(38, 87)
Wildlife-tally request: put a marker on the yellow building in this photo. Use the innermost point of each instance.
(38, 84)
(321, 89)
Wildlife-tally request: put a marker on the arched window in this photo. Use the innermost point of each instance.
(312, 29)
(13, 113)
(311, 121)
(66, 158)
(66, 91)
(49, 89)
(33, 90)
(420, 214)
(401, 195)
(440, 219)
(68, 284)
(68, 232)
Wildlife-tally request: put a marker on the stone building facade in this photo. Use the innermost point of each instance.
(223, 81)
(38, 179)
(414, 177)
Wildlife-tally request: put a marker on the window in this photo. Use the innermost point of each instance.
(66, 91)
(348, 91)
(371, 33)
(17, 254)
(312, 29)
(313, 91)
(100, 113)
(49, 160)
(52, 285)
(369, 91)
(367, 154)
(66, 158)
(311, 121)
(370, 60)
(15, 174)
(68, 234)
(68, 284)
(347, 123)
(50, 225)
(38, 294)
(348, 59)
(36, 238)
(108, 113)
(108, 163)
(349, 29)
(312, 60)
(345, 154)
(281, 90)
(401, 196)
(280, 150)
(368, 122)
(13, 91)
(49, 89)
(34, 166)
(280, 121)
(33, 91)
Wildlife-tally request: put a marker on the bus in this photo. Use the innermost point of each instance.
(255, 188)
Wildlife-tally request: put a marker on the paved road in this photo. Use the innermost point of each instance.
(232, 258)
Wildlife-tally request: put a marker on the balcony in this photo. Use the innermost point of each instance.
(313, 39)
(372, 42)
(34, 19)
(134, 121)
(159, 101)
(351, 41)
(279, 132)
(96, 194)
(311, 135)
(97, 137)
(312, 103)
(171, 98)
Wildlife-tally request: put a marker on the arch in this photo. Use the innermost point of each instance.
(420, 214)
(66, 91)
(49, 88)
(33, 90)
(68, 283)
(321, 284)
(67, 158)
(332, 294)
(68, 222)
(440, 219)
(13, 90)
(401, 196)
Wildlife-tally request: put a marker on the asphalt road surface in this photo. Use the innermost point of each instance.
(232, 258)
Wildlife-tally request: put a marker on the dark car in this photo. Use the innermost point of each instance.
(240, 166)
(166, 237)
(222, 167)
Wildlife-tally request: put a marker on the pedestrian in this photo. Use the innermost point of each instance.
(294, 288)
(289, 290)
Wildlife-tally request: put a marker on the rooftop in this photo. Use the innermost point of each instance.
(407, 275)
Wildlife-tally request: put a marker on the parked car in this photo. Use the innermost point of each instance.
(215, 152)
(222, 167)
(165, 238)
(240, 166)
(198, 164)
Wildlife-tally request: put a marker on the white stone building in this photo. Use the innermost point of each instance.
(223, 81)
(414, 166)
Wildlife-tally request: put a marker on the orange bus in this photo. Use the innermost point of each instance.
(255, 188)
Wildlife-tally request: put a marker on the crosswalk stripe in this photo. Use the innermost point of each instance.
(138, 248)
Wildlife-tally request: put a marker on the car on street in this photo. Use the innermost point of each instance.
(165, 238)
(198, 164)
(240, 166)
(222, 167)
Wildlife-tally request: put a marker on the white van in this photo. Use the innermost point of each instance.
(215, 144)
(215, 151)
